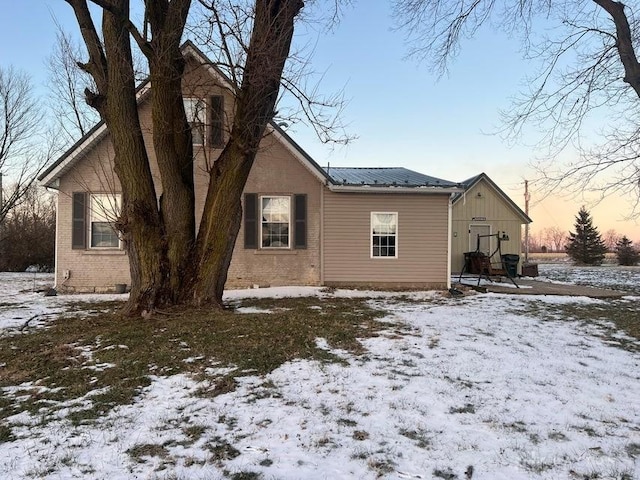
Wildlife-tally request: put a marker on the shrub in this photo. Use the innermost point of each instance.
(626, 253)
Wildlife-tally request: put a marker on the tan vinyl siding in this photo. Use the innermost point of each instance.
(95, 270)
(277, 172)
(421, 239)
(90, 270)
(497, 214)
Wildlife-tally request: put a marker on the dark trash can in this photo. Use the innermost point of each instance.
(510, 262)
(530, 270)
(473, 262)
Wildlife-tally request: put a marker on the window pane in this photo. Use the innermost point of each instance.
(383, 234)
(103, 235)
(275, 215)
(197, 133)
(105, 209)
(194, 108)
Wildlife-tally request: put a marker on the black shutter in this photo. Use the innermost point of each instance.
(250, 220)
(79, 219)
(300, 219)
(216, 121)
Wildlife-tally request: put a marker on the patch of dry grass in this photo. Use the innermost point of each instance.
(115, 355)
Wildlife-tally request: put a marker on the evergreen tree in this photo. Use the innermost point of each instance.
(626, 253)
(585, 246)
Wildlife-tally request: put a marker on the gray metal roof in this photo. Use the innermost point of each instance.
(386, 176)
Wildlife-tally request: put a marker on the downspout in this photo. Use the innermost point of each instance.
(449, 239)
(321, 236)
(55, 250)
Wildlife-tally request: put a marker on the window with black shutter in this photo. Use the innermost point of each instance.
(79, 218)
(216, 121)
(300, 219)
(250, 220)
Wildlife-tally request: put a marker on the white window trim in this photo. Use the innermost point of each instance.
(371, 235)
(204, 120)
(118, 201)
(288, 247)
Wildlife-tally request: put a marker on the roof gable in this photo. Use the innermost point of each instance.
(85, 144)
(473, 181)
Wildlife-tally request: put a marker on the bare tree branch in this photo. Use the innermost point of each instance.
(71, 113)
(588, 64)
(225, 28)
(24, 150)
(97, 64)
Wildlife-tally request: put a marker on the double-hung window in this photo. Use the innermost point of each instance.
(275, 222)
(384, 235)
(104, 211)
(195, 109)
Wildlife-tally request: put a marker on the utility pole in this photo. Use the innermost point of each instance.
(527, 197)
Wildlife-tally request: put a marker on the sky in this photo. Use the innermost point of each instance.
(482, 380)
(401, 112)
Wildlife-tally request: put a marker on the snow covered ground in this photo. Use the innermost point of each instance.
(471, 387)
(626, 279)
(22, 300)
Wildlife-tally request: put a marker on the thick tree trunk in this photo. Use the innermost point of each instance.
(624, 43)
(140, 222)
(168, 264)
(171, 136)
(174, 154)
(255, 101)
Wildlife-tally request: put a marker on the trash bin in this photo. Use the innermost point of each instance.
(473, 262)
(530, 270)
(510, 262)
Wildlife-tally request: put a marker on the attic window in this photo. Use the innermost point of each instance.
(195, 109)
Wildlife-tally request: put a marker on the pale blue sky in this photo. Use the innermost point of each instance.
(401, 112)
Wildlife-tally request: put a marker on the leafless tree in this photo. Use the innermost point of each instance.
(21, 139)
(73, 116)
(611, 238)
(169, 264)
(66, 83)
(28, 233)
(555, 238)
(224, 29)
(586, 53)
(537, 242)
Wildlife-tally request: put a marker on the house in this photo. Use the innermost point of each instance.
(481, 214)
(302, 224)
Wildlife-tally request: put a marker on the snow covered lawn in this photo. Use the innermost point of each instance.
(484, 386)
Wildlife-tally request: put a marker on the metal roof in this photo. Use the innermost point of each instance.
(385, 176)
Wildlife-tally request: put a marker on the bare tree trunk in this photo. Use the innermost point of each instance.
(171, 136)
(624, 42)
(168, 264)
(256, 98)
(139, 222)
